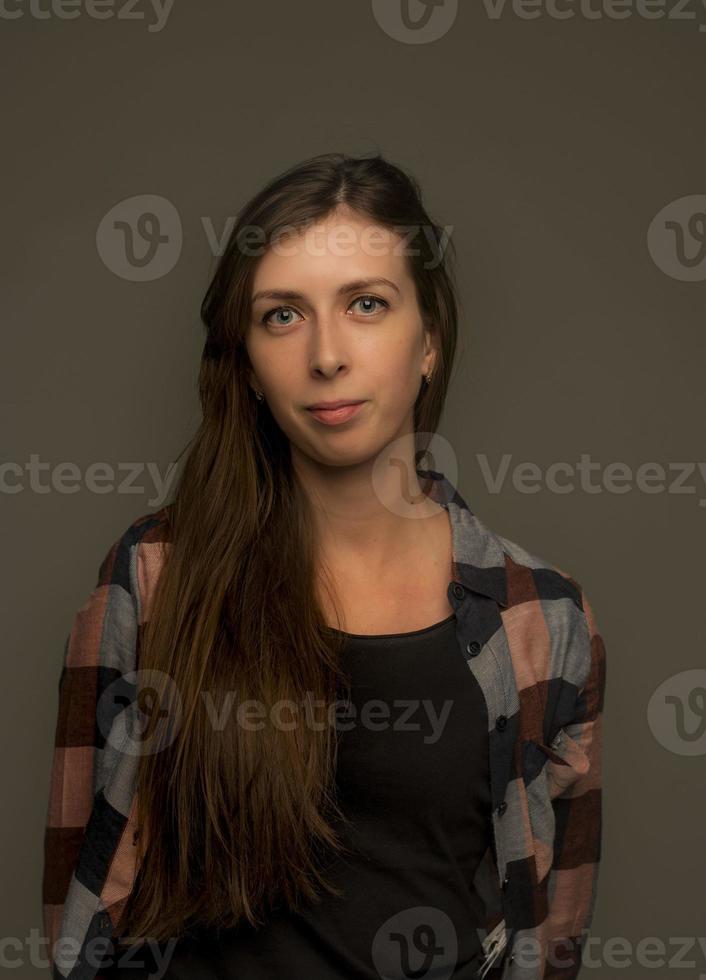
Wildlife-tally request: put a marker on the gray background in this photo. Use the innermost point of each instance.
(550, 145)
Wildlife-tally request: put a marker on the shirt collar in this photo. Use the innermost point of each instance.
(479, 557)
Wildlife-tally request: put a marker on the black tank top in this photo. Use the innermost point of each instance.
(413, 782)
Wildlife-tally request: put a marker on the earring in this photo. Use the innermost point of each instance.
(258, 394)
(427, 378)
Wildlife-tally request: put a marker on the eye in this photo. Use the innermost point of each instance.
(371, 299)
(279, 309)
(288, 311)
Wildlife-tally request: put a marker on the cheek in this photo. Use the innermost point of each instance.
(397, 372)
(277, 368)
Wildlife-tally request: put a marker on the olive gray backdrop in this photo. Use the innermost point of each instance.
(564, 144)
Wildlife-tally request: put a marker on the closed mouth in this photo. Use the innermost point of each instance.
(332, 406)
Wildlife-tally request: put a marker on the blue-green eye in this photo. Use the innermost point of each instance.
(373, 299)
(279, 309)
(288, 310)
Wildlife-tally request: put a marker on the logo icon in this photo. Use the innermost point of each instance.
(676, 238)
(415, 21)
(140, 238)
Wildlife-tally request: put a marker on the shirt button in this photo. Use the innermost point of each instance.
(501, 723)
(502, 807)
(458, 590)
(473, 648)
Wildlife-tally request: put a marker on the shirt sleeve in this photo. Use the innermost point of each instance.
(99, 650)
(575, 781)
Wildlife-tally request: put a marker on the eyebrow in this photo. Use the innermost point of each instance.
(348, 287)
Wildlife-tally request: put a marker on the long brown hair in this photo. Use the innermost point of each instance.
(233, 821)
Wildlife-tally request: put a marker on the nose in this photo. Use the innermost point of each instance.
(328, 354)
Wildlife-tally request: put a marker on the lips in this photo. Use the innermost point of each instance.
(334, 413)
(337, 404)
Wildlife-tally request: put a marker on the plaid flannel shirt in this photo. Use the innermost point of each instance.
(529, 636)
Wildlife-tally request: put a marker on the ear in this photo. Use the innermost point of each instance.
(430, 350)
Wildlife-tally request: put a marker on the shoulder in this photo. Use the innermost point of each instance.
(546, 598)
(536, 572)
(136, 557)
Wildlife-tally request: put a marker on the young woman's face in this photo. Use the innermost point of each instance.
(335, 317)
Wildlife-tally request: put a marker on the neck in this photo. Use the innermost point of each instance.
(369, 512)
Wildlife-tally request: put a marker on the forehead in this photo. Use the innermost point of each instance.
(343, 245)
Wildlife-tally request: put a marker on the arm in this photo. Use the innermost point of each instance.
(100, 648)
(575, 781)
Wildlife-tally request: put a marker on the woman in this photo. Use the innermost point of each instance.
(337, 726)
